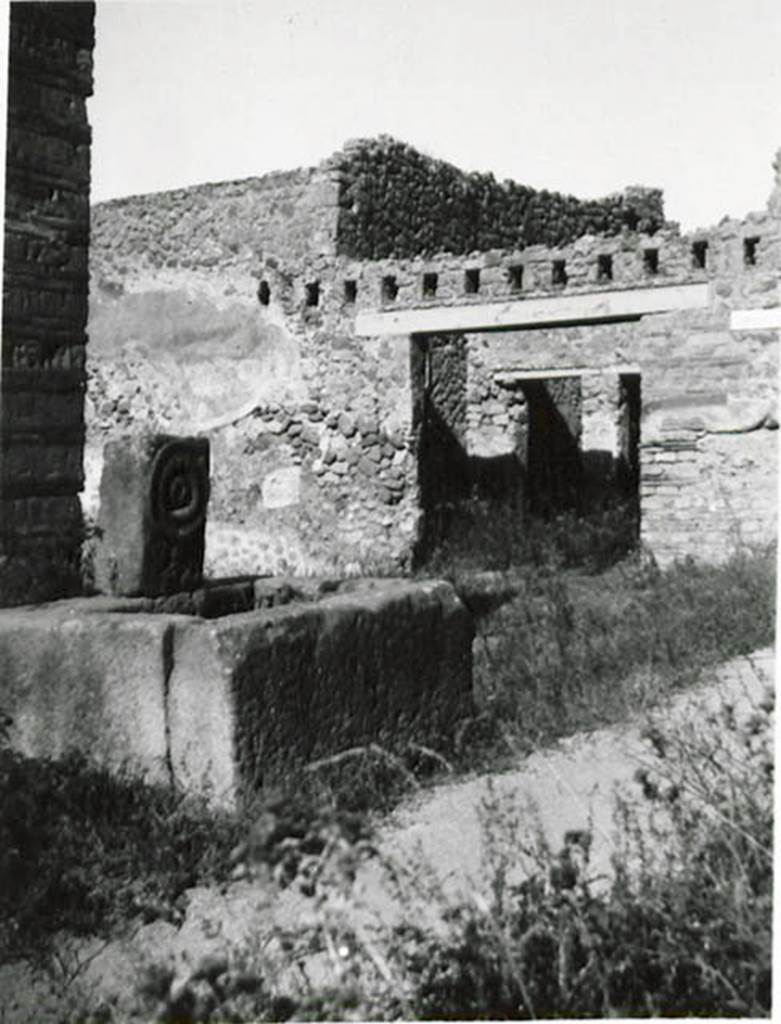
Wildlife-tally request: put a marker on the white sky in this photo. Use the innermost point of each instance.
(584, 96)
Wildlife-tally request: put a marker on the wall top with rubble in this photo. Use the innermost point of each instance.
(376, 198)
(381, 226)
(739, 258)
(397, 202)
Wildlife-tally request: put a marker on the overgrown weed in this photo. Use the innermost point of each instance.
(573, 652)
(682, 927)
(84, 850)
(484, 535)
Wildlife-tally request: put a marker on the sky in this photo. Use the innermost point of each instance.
(581, 96)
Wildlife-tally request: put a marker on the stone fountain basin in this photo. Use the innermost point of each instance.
(192, 692)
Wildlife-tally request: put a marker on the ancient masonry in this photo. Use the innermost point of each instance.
(45, 289)
(380, 336)
(330, 360)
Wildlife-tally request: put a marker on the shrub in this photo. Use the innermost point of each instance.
(478, 534)
(682, 927)
(84, 850)
(573, 651)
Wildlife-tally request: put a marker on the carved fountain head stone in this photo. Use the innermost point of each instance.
(154, 493)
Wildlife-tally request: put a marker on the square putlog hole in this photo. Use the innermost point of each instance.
(471, 281)
(605, 267)
(700, 254)
(559, 275)
(390, 288)
(750, 246)
(515, 277)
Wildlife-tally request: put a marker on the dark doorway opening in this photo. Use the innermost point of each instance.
(628, 469)
(455, 486)
(553, 458)
(541, 490)
(439, 374)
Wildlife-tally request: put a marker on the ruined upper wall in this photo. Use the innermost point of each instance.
(377, 198)
(708, 445)
(312, 417)
(45, 289)
(740, 257)
(396, 202)
(215, 225)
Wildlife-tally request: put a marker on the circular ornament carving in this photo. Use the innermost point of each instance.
(178, 490)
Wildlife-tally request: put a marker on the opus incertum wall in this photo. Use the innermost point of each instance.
(671, 392)
(314, 464)
(45, 287)
(307, 364)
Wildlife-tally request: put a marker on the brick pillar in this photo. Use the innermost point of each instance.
(45, 291)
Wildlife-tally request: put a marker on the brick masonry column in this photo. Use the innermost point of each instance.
(45, 293)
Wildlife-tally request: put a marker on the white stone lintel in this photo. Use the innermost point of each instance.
(756, 319)
(553, 309)
(508, 378)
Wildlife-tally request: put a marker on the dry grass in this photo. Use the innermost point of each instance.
(683, 928)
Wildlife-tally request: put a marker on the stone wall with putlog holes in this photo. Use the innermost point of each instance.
(45, 286)
(202, 321)
(318, 461)
(708, 441)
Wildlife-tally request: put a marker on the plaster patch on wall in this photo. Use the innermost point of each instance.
(600, 432)
(488, 442)
(732, 417)
(282, 487)
(600, 425)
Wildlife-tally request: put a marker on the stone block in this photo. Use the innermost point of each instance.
(272, 591)
(94, 683)
(225, 599)
(254, 696)
(282, 487)
(347, 425)
(153, 497)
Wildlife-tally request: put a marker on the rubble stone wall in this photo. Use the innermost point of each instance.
(318, 458)
(45, 286)
(221, 224)
(395, 201)
(310, 427)
(515, 274)
(223, 310)
(708, 445)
